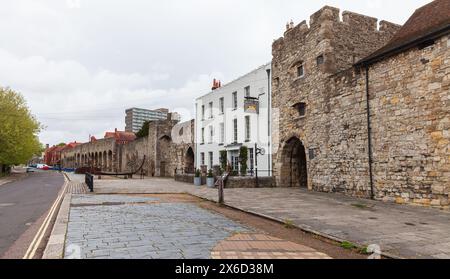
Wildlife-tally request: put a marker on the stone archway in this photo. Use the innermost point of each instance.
(110, 160)
(294, 170)
(163, 157)
(105, 162)
(189, 161)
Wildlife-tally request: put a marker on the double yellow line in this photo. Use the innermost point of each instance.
(31, 252)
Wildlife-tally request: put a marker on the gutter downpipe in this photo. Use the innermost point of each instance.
(269, 136)
(369, 134)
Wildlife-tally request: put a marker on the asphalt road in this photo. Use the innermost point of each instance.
(24, 202)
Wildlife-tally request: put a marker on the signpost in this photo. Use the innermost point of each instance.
(258, 151)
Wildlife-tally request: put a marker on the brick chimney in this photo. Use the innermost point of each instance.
(216, 84)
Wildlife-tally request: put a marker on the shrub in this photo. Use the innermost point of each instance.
(243, 158)
(223, 160)
(210, 174)
(198, 173)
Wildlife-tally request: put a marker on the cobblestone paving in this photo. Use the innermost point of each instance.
(402, 230)
(143, 231)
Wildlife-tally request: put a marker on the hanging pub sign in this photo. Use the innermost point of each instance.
(251, 105)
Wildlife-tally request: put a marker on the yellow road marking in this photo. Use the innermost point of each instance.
(41, 232)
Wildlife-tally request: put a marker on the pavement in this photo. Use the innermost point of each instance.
(134, 227)
(400, 231)
(98, 226)
(23, 202)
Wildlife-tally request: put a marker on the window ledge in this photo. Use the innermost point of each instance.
(299, 78)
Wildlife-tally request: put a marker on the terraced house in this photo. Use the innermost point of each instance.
(363, 107)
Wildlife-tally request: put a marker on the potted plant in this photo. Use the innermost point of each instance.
(210, 179)
(198, 178)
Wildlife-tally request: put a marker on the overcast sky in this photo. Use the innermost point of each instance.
(81, 63)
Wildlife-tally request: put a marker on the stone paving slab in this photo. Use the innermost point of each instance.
(400, 230)
(144, 231)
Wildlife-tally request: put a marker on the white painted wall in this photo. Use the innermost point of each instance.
(258, 81)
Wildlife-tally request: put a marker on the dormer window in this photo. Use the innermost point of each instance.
(300, 108)
(320, 59)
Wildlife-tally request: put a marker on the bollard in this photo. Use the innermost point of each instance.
(220, 188)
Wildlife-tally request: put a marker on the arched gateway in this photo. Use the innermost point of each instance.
(294, 171)
(189, 162)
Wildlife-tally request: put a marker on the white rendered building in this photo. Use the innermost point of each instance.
(235, 115)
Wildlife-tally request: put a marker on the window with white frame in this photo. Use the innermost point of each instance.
(247, 91)
(210, 110)
(222, 133)
(211, 160)
(202, 158)
(235, 163)
(203, 136)
(221, 105)
(247, 128)
(203, 112)
(235, 130)
(211, 134)
(235, 100)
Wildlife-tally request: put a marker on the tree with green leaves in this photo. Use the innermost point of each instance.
(18, 129)
(62, 144)
(144, 130)
(243, 158)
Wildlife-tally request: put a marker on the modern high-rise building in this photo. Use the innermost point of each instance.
(136, 117)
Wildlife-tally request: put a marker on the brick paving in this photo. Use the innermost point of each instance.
(401, 230)
(76, 188)
(260, 246)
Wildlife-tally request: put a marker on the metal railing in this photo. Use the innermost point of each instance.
(89, 180)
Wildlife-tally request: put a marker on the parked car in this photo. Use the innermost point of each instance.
(30, 169)
(42, 167)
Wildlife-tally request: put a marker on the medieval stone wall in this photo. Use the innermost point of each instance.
(165, 149)
(409, 106)
(101, 154)
(134, 154)
(329, 138)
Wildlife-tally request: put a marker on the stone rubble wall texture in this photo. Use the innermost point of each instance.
(163, 154)
(410, 103)
(409, 106)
